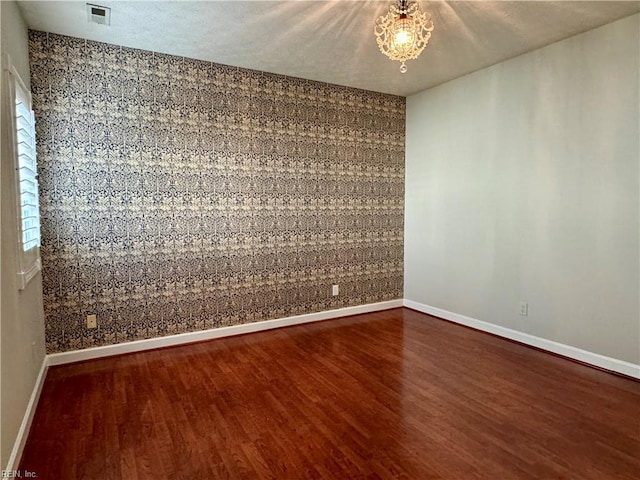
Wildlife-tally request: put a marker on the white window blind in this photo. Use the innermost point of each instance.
(24, 152)
(27, 172)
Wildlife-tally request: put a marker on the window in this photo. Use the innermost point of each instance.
(24, 152)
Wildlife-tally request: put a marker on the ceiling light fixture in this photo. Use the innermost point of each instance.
(403, 33)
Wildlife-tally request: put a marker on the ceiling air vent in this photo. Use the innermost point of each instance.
(98, 14)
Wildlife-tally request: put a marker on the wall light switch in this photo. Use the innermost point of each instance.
(335, 290)
(91, 321)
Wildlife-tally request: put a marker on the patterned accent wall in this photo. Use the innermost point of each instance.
(180, 195)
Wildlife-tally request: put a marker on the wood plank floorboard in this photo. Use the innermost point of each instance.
(388, 395)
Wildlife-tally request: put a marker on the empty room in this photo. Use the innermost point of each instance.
(320, 240)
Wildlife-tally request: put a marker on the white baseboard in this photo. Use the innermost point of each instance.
(591, 358)
(25, 426)
(182, 338)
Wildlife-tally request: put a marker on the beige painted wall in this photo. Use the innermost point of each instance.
(522, 185)
(22, 327)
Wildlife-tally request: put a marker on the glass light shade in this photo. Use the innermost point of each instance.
(403, 35)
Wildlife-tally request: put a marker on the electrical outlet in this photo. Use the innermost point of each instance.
(335, 290)
(524, 309)
(91, 321)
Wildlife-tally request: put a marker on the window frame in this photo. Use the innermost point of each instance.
(28, 261)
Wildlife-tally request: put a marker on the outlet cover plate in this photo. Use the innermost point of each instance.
(524, 309)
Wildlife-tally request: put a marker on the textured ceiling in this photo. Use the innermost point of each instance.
(331, 41)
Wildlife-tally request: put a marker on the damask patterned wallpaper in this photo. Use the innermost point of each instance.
(180, 195)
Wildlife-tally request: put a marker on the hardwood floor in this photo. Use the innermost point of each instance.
(395, 394)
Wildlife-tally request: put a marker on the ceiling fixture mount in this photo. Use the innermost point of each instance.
(403, 33)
